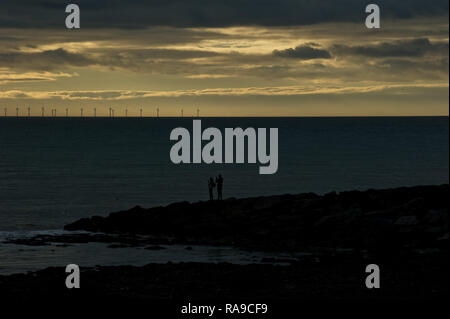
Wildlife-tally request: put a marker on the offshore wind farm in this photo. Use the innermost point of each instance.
(124, 111)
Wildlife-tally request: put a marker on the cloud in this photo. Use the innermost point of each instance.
(117, 95)
(401, 48)
(46, 60)
(7, 77)
(167, 62)
(132, 59)
(303, 52)
(200, 13)
(237, 55)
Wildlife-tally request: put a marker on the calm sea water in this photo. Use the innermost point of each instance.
(56, 170)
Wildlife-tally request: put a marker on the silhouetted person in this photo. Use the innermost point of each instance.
(211, 186)
(219, 182)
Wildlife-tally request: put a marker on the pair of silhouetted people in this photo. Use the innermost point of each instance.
(212, 184)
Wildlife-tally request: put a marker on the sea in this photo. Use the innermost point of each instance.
(56, 170)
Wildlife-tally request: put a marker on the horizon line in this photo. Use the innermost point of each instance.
(216, 116)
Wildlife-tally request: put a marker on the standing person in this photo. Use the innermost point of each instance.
(211, 186)
(219, 182)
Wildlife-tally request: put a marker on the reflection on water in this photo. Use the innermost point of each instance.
(19, 258)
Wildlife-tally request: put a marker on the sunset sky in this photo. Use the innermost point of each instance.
(227, 58)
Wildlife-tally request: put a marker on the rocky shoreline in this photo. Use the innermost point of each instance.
(336, 277)
(381, 221)
(404, 230)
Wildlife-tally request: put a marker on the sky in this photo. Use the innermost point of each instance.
(225, 58)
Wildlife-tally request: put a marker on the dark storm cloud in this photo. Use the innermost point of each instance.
(403, 48)
(196, 13)
(303, 52)
(46, 60)
(129, 59)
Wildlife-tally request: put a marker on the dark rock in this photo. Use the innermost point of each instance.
(389, 219)
(410, 277)
(155, 248)
(118, 246)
